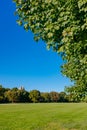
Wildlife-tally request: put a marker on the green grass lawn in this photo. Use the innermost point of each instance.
(49, 116)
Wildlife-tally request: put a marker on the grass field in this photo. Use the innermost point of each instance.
(49, 116)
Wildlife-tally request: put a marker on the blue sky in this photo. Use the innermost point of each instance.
(23, 62)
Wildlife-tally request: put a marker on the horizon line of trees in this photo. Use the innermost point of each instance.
(20, 95)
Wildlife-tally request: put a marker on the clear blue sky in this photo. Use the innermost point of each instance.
(23, 62)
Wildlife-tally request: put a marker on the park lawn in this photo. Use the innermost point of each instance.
(43, 116)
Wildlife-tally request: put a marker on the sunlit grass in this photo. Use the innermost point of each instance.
(51, 116)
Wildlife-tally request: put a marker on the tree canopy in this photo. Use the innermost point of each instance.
(62, 24)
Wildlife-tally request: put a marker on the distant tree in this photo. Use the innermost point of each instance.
(17, 95)
(12, 96)
(14, 89)
(3, 99)
(23, 95)
(62, 97)
(45, 96)
(35, 96)
(54, 96)
(62, 24)
(1, 94)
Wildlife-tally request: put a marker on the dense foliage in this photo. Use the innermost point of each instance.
(20, 95)
(62, 24)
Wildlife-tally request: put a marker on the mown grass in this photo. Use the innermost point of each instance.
(44, 116)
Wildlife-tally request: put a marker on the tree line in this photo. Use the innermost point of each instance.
(20, 95)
